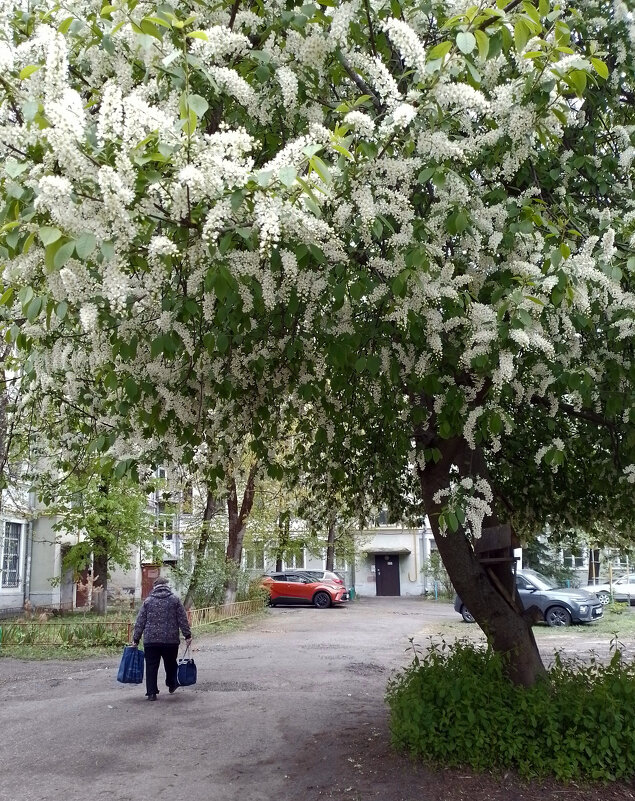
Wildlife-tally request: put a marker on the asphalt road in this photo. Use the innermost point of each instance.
(279, 712)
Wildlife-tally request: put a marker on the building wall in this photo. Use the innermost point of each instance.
(387, 540)
(45, 564)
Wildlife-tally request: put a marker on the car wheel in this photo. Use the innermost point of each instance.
(558, 616)
(322, 600)
(466, 615)
(605, 597)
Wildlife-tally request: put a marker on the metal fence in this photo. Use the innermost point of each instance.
(214, 614)
(93, 633)
(76, 633)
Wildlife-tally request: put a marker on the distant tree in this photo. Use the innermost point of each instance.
(110, 523)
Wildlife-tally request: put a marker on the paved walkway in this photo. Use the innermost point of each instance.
(279, 712)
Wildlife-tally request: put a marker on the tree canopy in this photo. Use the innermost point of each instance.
(405, 228)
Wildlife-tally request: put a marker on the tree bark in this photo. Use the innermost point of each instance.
(330, 546)
(100, 561)
(594, 565)
(283, 539)
(209, 512)
(237, 525)
(488, 590)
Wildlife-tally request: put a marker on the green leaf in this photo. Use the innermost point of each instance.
(162, 22)
(28, 242)
(482, 39)
(237, 199)
(121, 468)
(25, 295)
(156, 347)
(532, 12)
(287, 176)
(85, 245)
(65, 25)
(63, 254)
(425, 175)
(61, 310)
(26, 72)
(222, 342)
(49, 235)
(14, 168)
(7, 297)
(578, 80)
(198, 104)
(263, 178)
(521, 34)
(600, 67)
(466, 41)
(33, 309)
(320, 168)
(198, 35)
(360, 364)
(452, 521)
(439, 51)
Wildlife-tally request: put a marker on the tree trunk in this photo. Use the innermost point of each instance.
(208, 514)
(330, 546)
(283, 539)
(487, 590)
(100, 575)
(100, 559)
(237, 525)
(594, 565)
(5, 427)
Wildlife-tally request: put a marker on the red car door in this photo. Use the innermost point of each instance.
(297, 588)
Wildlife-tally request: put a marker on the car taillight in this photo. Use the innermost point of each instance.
(337, 581)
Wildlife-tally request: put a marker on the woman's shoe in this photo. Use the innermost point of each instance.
(152, 696)
(171, 690)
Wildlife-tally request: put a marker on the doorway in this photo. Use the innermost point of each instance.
(387, 574)
(148, 574)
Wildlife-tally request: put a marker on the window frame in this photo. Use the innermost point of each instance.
(5, 570)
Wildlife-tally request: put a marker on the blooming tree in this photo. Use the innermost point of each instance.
(404, 227)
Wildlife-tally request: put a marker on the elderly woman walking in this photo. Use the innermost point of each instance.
(159, 620)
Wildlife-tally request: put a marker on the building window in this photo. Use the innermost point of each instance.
(339, 563)
(11, 555)
(295, 560)
(255, 556)
(573, 558)
(164, 523)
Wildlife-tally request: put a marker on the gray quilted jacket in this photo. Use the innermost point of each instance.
(160, 618)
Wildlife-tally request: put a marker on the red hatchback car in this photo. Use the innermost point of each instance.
(305, 587)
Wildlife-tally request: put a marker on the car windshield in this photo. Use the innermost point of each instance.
(539, 581)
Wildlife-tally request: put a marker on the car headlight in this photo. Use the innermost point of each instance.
(584, 608)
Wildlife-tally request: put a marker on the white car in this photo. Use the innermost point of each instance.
(623, 590)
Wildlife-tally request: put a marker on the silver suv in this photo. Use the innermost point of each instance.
(559, 606)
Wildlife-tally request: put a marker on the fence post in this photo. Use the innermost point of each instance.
(129, 631)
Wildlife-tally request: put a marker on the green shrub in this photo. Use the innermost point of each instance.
(454, 705)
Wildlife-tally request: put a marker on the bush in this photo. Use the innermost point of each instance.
(454, 705)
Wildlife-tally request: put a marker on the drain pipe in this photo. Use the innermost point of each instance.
(27, 563)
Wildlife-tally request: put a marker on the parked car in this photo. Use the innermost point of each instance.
(623, 590)
(560, 606)
(319, 588)
(325, 575)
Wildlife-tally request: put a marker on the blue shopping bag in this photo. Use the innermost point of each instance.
(131, 666)
(186, 670)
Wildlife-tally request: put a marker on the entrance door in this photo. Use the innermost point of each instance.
(148, 574)
(387, 574)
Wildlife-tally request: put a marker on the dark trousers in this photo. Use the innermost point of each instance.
(153, 656)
